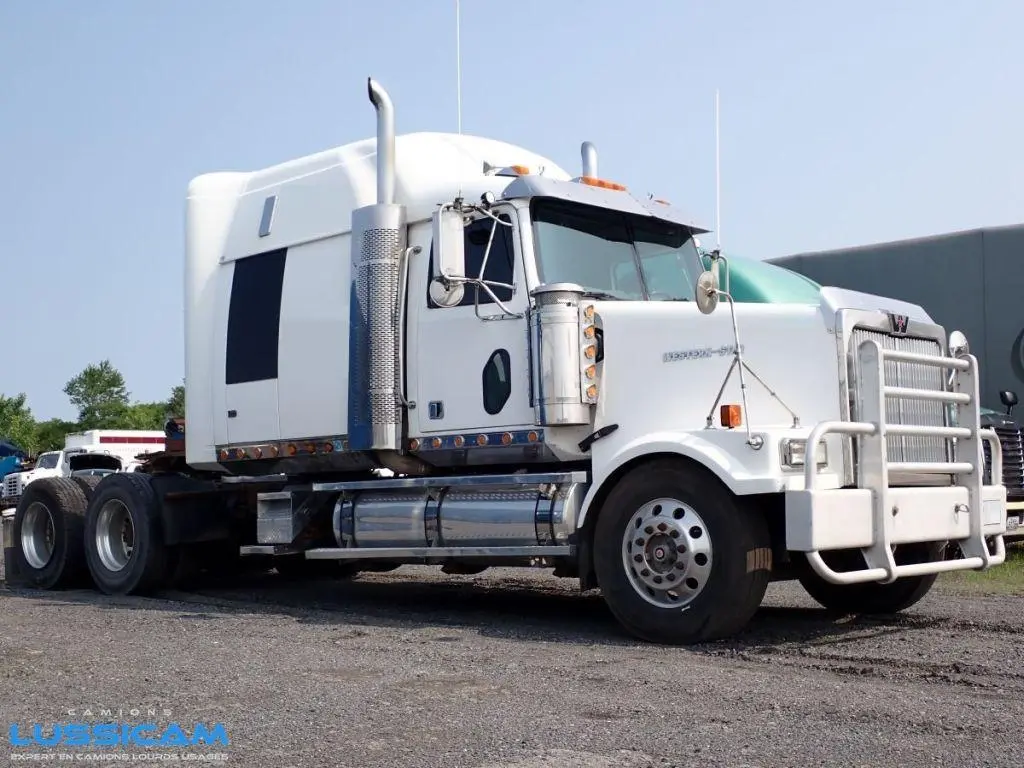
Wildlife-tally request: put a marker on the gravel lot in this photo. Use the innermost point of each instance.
(517, 669)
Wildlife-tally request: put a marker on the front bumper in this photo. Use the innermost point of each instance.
(844, 518)
(875, 517)
(1014, 518)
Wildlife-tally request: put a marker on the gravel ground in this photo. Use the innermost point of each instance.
(515, 669)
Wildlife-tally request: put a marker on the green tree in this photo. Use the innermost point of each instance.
(100, 395)
(176, 405)
(50, 434)
(17, 423)
(145, 416)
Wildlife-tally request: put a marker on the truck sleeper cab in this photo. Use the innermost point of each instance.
(491, 362)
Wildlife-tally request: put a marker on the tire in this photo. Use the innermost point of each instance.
(126, 497)
(49, 527)
(719, 575)
(871, 597)
(87, 483)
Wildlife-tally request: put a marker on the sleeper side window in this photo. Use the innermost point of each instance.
(254, 317)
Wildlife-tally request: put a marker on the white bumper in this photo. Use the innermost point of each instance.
(844, 518)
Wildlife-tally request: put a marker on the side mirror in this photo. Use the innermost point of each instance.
(449, 258)
(706, 292)
(449, 243)
(958, 344)
(1008, 398)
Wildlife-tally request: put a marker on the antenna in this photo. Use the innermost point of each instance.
(458, 65)
(458, 77)
(718, 184)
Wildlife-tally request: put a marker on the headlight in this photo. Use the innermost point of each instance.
(794, 452)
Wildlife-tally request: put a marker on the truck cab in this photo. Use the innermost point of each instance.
(47, 464)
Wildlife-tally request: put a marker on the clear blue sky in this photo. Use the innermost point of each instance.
(841, 125)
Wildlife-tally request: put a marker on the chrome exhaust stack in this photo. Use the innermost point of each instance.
(589, 152)
(379, 241)
(385, 141)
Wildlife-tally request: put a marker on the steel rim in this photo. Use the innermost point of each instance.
(115, 535)
(38, 535)
(666, 553)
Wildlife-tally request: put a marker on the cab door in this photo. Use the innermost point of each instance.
(472, 359)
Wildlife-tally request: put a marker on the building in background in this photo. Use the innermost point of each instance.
(972, 280)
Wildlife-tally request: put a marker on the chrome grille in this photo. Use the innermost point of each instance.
(11, 485)
(1013, 459)
(903, 411)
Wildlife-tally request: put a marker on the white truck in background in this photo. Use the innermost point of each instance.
(541, 363)
(94, 449)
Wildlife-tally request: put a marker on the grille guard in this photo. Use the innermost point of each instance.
(875, 465)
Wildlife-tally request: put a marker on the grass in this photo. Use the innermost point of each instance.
(1005, 579)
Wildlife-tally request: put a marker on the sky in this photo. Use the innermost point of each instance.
(841, 124)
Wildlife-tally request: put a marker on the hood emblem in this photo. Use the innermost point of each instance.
(898, 323)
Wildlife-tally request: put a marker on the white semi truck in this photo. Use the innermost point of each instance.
(445, 349)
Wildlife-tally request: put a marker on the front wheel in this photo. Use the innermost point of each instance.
(871, 597)
(679, 559)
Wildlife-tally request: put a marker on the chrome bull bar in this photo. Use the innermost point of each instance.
(875, 466)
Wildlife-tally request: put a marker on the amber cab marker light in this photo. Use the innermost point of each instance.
(732, 416)
(602, 183)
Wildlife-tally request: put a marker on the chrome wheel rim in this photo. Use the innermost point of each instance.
(37, 535)
(115, 535)
(667, 553)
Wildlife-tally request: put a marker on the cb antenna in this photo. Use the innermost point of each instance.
(458, 78)
(458, 65)
(718, 183)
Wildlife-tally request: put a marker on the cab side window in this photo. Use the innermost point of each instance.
(500, 261)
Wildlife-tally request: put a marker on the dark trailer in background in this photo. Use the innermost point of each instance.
(972, 281)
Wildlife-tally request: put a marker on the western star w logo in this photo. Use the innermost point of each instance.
(898, 323)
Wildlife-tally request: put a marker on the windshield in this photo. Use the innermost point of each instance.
(614, 254)
(47, 461)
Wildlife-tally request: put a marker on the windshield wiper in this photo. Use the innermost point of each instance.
(602, 296)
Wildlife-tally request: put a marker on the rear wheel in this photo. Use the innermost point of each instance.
(87, 483)
(872, 597)
(48, 531)
(124, 545)
(679, 559)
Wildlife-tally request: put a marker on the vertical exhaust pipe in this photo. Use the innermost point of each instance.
(385, 142)
(589, 152)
